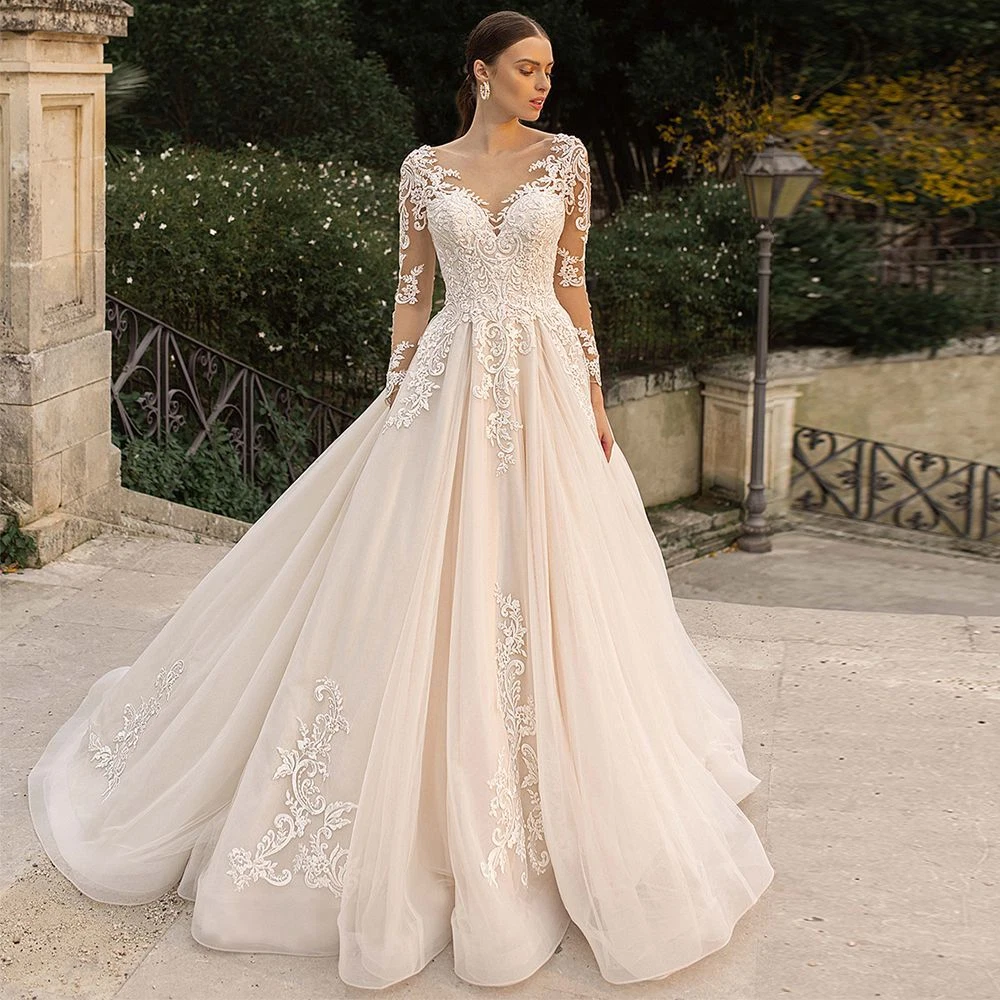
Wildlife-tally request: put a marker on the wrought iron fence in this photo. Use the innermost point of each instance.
(839, 474)
(971, 270)
(165, 383)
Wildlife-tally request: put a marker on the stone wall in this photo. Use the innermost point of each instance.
(677, 443)
(949, 405)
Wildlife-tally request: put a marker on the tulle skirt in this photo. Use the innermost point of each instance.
(423, 700)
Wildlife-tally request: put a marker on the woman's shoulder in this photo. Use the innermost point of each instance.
(417, 153)
(568, 140)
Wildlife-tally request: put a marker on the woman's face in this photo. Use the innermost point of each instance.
(520, 78)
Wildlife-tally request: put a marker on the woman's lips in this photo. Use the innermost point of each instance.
(538, 103)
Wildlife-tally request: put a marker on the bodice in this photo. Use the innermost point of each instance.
(498, 265)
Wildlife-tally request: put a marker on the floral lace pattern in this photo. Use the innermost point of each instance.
(497, 268)
(515, 831)
(111, 759)
(428, 360)
(576, 365)
(571, 268)
(321, 862)
(590, 350)
(412, 190)
(497, 349)
(395, 374)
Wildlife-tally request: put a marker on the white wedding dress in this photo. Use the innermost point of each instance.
(439, 691)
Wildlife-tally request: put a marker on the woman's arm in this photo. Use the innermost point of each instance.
(415, 284)
(570, 281)
(570, 272)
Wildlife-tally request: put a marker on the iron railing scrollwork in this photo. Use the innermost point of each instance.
(854, 477)
(165, 382)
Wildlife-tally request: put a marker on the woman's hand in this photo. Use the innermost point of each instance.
(604, 434)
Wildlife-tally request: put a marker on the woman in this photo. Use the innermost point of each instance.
(439, 690)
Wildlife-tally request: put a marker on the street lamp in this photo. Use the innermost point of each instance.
(776, 180)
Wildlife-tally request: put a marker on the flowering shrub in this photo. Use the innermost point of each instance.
(288, 265)
(673, 277)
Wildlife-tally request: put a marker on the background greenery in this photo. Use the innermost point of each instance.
(254, 152)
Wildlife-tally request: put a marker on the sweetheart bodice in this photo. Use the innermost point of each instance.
(493, 270)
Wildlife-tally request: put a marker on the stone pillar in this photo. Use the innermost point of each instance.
(57, 460)
(727, 388)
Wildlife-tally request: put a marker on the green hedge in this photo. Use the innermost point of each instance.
(675, 280)
(285, 264)
(672, 278)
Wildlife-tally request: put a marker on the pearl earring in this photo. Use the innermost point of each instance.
(484, 90)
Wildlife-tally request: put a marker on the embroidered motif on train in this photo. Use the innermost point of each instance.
(517, 763)
(112, 758)
(320, 859)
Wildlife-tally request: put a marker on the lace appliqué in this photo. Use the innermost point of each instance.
(589, 345)
(112, 759)
(577, 189)
(571, 268)
(497, 347)
(394, 374)
(406, 294)
(412, 191)
(573, 362)
(552, 179)
(428, 361)
(498, 275)
(514, 831)
(301, 765)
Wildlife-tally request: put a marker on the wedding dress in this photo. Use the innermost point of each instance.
(439, 691)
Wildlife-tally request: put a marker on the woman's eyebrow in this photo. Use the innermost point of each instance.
(534, 62)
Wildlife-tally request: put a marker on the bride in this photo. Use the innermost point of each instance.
(439, 692)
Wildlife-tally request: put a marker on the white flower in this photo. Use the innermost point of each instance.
(128, 281)
(814, 279)
(163, 225)
(212, 231)
(136, 225)
(231, 218)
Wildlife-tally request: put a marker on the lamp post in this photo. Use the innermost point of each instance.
(776, 180)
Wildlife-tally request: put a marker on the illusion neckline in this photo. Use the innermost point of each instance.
(495, 219)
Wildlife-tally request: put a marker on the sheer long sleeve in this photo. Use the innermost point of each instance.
(570, 271)
(415, 284)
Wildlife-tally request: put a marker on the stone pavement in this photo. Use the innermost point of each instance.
(869, 679)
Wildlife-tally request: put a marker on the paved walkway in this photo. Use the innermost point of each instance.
(869, 678)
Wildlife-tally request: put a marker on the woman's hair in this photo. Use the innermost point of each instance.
(486, 41)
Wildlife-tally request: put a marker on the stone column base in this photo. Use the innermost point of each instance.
(727, 430)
